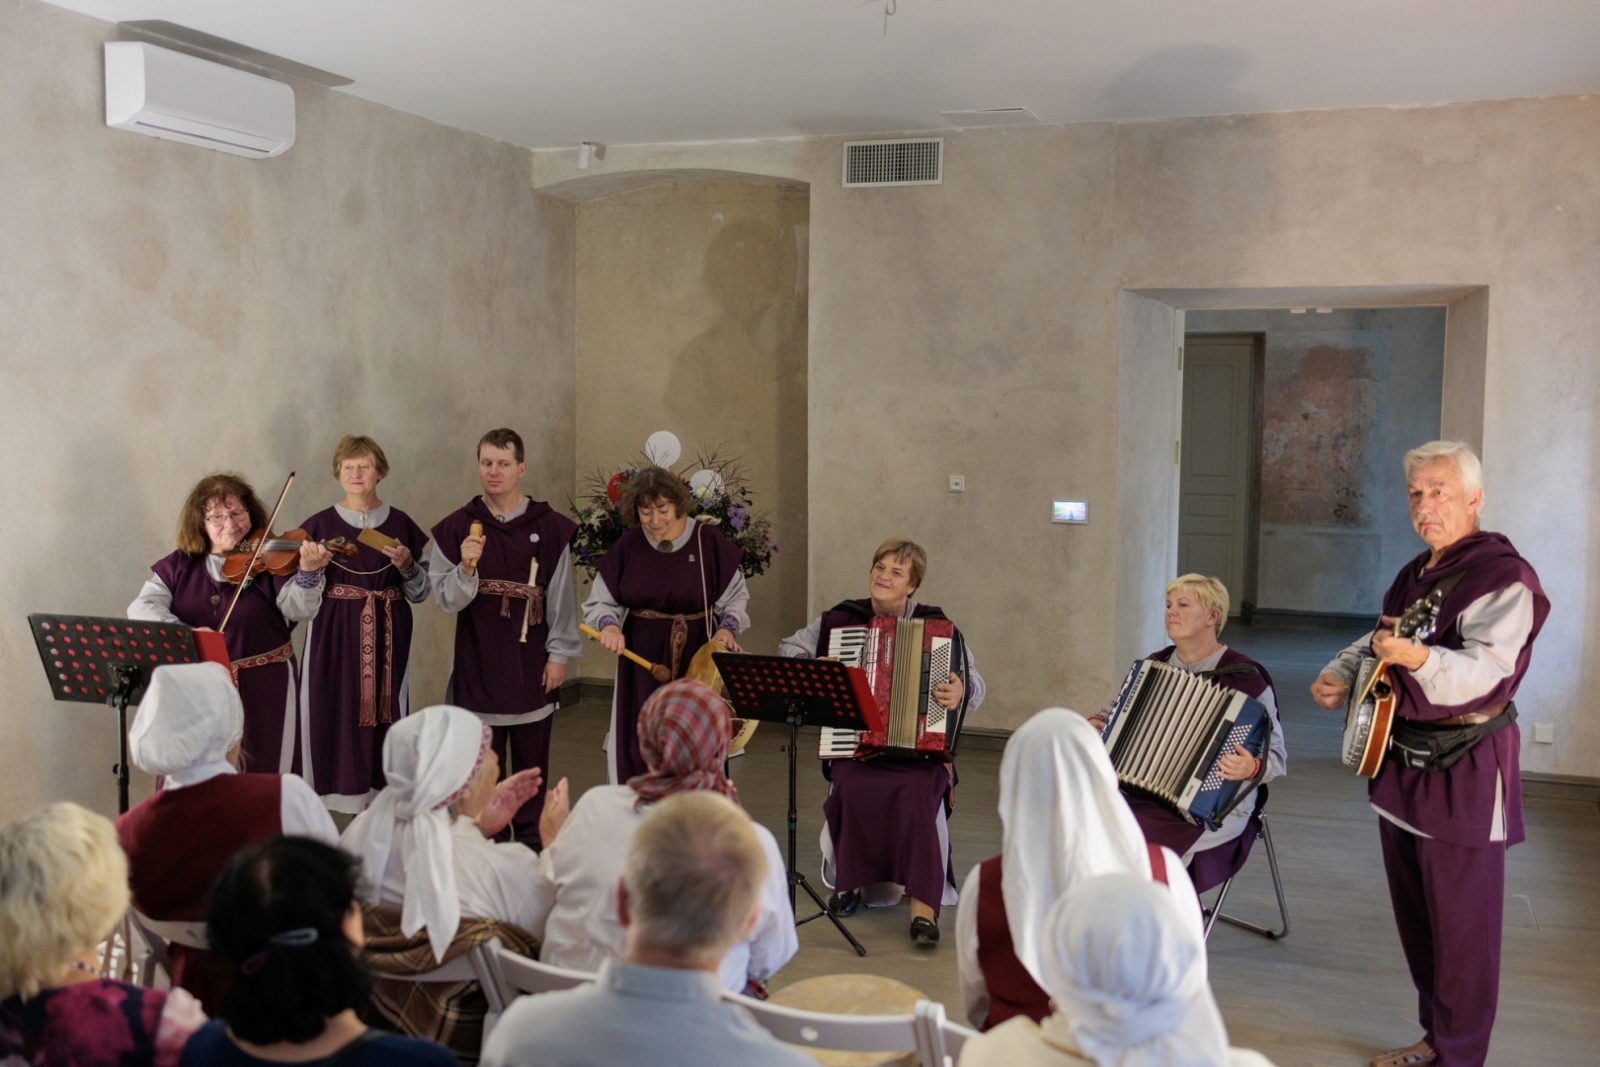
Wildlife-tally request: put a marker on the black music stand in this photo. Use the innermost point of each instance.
(97, 660)
(800, 692)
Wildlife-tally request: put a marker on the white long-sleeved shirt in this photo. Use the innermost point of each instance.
(577, 889)
(1493, 628)
(729, 610)
(494, 880)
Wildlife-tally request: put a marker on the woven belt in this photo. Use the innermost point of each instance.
(266, 659)
(507, 591)
(370, 696)
(680, 631)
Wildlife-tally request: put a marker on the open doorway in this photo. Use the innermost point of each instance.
(1294, 425)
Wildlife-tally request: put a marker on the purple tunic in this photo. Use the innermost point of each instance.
(687, 582)
(346, 753)
(1162, 825)
(495, 673)
(1457, 805)
(883, 813)
(257, 629)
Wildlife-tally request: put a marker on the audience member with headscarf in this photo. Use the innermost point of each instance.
(187, 732)
(423, 844)
(63, 888)
(683, 735)
(1064, 820)
(1126, 967)
(284, 912)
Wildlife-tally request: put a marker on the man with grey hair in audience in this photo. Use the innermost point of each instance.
(690, 890)
(1448, 790)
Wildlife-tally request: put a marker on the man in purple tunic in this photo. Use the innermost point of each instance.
(1445, 826)
(665, 588)
(510, 589)
(886, 823)
(354, 680)
(187, 586)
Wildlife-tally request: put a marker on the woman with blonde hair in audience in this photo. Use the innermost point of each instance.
(684, 731)
(63, 887)
(187, 732)
(1063, 820)
(1126, 970)
(423, 844)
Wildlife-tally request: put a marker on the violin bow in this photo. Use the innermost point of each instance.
(245, 581)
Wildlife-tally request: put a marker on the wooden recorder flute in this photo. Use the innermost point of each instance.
(657, 671)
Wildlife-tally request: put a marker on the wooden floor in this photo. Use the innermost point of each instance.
(1331, 994)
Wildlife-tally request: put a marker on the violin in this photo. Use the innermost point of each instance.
(275, 553)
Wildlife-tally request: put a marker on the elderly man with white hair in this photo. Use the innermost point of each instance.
(423, 844)
(188, 731)
(1126, 970)
(1449, 790)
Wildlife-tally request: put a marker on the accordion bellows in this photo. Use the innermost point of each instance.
(1167, 730)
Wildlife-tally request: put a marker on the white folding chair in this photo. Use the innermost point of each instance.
(1214, 912)
(921, 1032)
(955, 1036)
(157, 934)
(509, 975)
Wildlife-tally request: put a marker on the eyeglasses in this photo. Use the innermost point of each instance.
(217, 518)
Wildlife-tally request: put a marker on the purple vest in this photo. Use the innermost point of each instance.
(1457, 805)
(256, 627)
(494, 672)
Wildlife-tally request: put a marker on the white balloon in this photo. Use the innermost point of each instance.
(662, 448)
(705, 482)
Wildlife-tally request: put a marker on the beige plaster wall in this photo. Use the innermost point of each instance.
(973, 327)
(166, 310)
(691, 317)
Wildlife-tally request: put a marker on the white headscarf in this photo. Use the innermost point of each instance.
(429, 758)
(1064, 821)
(190, 715)
(1128, 977)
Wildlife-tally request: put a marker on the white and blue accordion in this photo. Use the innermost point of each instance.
(1166, 731)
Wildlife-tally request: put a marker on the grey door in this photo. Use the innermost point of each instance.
(1214, 486)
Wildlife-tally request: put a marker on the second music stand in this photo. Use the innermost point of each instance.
(800, 692)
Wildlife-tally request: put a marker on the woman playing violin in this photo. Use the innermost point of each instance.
(188, 587)
(358, 645)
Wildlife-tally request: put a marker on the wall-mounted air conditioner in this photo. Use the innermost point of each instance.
(163, 93)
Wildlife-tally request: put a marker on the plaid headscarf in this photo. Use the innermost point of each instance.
(684, 730)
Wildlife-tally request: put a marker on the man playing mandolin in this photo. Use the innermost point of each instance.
(1448, 789)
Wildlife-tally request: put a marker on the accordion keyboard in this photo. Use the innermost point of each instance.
(848, 644)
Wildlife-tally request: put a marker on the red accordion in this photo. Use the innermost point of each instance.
(895, 665)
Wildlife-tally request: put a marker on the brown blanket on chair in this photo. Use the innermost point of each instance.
(450, 1013)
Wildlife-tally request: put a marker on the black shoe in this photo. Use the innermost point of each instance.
(847, 903)
(924, 931)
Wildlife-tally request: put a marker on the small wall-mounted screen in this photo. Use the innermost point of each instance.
(1069, 511)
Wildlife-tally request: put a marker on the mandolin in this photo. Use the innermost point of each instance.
(1369, 716)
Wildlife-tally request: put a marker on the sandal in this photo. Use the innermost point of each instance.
(1419, 1055)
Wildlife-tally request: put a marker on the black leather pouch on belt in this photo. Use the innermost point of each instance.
(1424, 747)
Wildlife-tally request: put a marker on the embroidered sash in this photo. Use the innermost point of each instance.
(370, 697)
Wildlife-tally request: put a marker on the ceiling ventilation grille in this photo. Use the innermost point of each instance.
(918, 162)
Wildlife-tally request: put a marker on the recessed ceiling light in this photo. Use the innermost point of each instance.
(992, 116)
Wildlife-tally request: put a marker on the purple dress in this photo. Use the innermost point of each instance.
(883, 813)
(258, 642)
(684, 586)
(357, 650)
(495, 673)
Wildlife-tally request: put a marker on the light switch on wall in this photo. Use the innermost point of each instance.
(1544, 733)
(958, 483)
